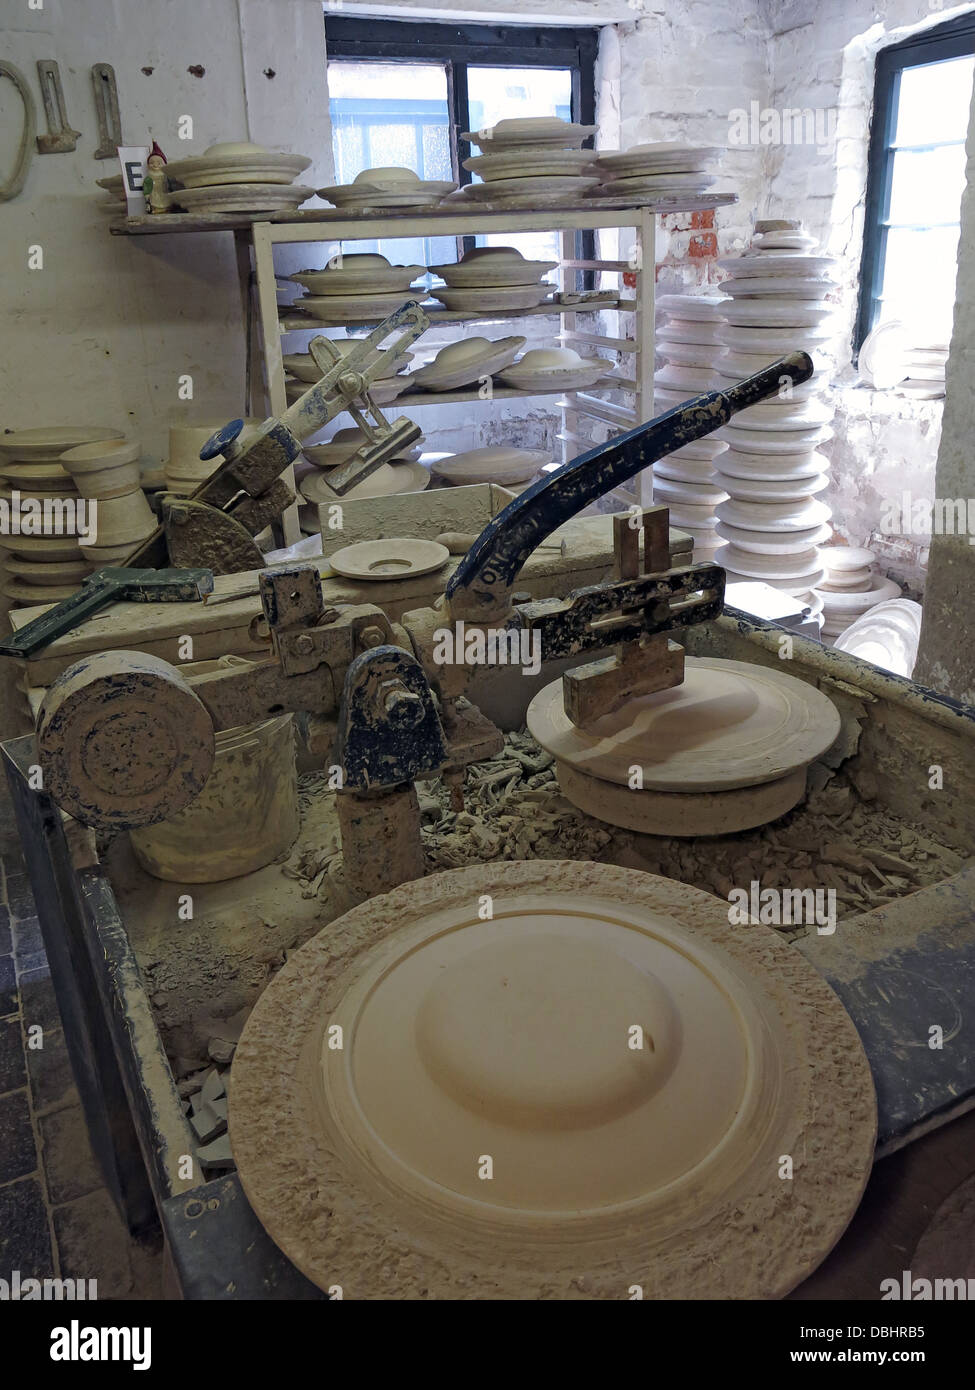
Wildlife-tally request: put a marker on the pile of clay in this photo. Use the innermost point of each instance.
(839, 838)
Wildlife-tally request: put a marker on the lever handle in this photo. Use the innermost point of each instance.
(480, 587)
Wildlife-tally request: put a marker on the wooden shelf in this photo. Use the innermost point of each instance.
(301, 322)
(472, 393)
(446, 220)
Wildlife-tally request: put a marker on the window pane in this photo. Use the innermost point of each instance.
(927, 185)
(919, 281)
(392, 113)
(933, 102)
(496, 94)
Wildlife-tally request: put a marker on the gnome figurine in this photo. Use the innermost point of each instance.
(155, 185)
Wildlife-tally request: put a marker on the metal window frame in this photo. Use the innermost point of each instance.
(458, 46)
(954, 39)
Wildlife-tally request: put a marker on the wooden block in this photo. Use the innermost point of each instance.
(602, 686)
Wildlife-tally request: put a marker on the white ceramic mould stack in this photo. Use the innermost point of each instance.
(851, 588)
(688, 343)
(773, 522)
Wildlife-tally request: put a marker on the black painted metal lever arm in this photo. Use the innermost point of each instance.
(481, 585)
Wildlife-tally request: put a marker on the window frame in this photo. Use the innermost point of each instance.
(953, 39)
(458, 46)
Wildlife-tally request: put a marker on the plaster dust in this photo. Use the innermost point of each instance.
(211, 967)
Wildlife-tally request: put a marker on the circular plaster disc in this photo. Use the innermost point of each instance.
(730, 724)
(682, 815)
(848, 557)
(389, 559)
(591, 1090)
(123, 740)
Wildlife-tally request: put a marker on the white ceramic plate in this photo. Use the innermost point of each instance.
(46, 443)
(396, 279)
(530, 186)
(493, 465)
(774, 516)
(388, 480)
(706, 308)
(303, 366)
(529, 132)
(243, 197)
(769, 490)
(775, 443)
(773, 542)
(261, 166)
(396, 558)
(531, 163)
(760, 467)
(662, 155)
(353, 308)
(840, 559)
(662, 183)
(773, 313)
(483, 301)
(774, 264)
(807, 287)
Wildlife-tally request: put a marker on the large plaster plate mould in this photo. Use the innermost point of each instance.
(46, 443)
(498, 299)
(529, 132)
(611, 1165)
(487, 266)
(528, 186)
(243, 197)
(528, 163)
(462, 363)
(491, 465)
(388, 480)
(236, 163)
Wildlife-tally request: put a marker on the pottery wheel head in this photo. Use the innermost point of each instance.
(123, 741)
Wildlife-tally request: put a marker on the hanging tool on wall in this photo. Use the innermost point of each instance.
(106, 109)
(25, 150)
(60, 138)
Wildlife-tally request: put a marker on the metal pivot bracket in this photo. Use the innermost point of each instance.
(60, 138)
(389, 733)
(603, 615)
(651, 663)
(252, 466)
(106, 109)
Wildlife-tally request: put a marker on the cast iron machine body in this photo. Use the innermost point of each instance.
(380, 676)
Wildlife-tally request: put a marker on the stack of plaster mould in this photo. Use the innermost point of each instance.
(685, 481)
(47, 517)
(772, 522)
(851, 587)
